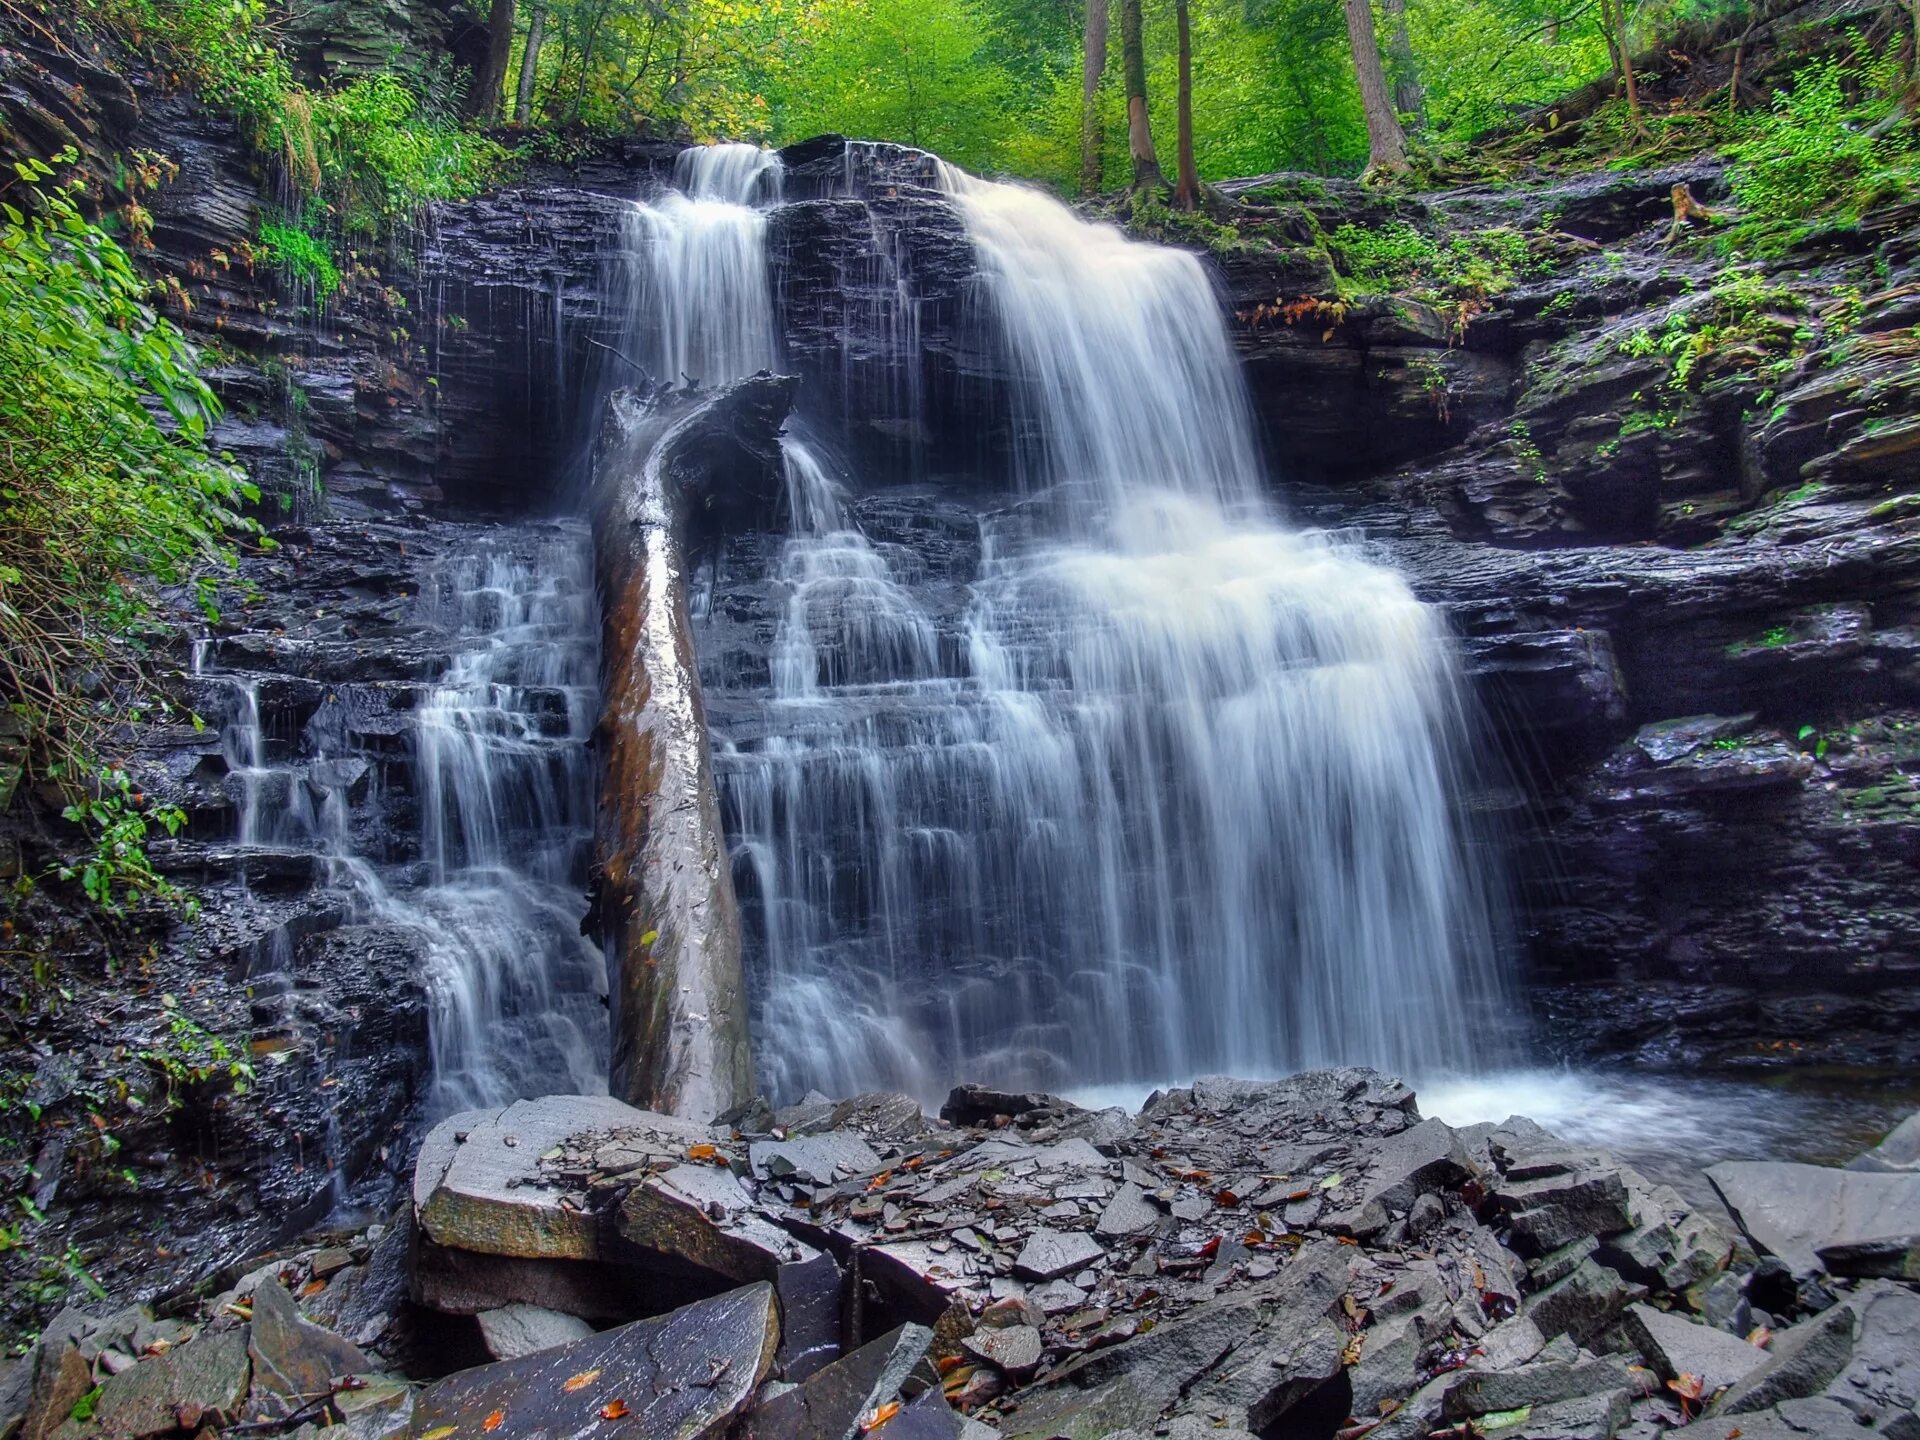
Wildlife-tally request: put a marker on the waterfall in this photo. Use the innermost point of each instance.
(506, 799)
(697, 267)
(496, 759)
(1175, 788)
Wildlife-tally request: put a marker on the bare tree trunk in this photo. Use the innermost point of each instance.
(1133, 57)
(483, 101)
(1093, 65)
(1186, 193)
(1386, 142)
(1613, 16)
(1409, 95)
(530, 64)
(1914, 6)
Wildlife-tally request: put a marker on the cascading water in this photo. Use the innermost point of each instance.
(1173, 790)
(506, 796)
(499, 769)
(697, 267)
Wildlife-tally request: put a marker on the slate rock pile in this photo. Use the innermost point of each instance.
(1302, 1258)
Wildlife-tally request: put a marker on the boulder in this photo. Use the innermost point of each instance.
(1671, 1245)
(203, 1379)
(294, 1359)
(478, 1185)
(516, 1330)
(844, 1400)
(1673, 1347)
(1553, 1204)
(700, 1216)
(1418, 1161)
(1895, 1257)
(1793, 1211)
(1582, 1302)
(1014, 1350)
(687, 1375)
(1801, 1363)
(812, 1303)
(1899, 1152)
(1543, 1382)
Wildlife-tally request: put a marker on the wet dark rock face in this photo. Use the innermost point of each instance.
(1689, 610)
(439, 386)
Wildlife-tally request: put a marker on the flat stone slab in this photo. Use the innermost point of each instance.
(1049, 1254)
(683, 1376)
(845, 1398)
(814, 1159)
(1898, 1153)
(195, 1381)
(1794, 1211)
(1128, 1213)
(292, 1357)
(1674, 1346)
(478, 1186)
(699, 1214)
(516, 1330)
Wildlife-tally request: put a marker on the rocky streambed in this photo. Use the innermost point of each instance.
(1306, 1257)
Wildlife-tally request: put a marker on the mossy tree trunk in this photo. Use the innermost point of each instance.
(1133, 59)
(1409, 95)
(1186, 191)
(1093, 65)
(1386, 141)
(530, 65)
(490, 78)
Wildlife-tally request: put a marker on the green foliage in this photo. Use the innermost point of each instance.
(1831, 146)
(1462, 267)
(905, 70)
(187, 1053)
(299, 256)
(372, 152)
(108, 495)
(1743, 309)
(120, 817)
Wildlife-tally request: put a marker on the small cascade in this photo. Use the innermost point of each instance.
(1167, 788)
(506, 801)
(490, 886)
(696, 267)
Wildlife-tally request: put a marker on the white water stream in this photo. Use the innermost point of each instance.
(1181, 793)
(500, 773)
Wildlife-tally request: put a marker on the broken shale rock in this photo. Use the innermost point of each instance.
(848, 1396)
(687, 1375)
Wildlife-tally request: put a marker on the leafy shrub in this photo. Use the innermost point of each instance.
(1830, 147)
(372, 151)
(295, 252)
(108, 494)
(1397, 257)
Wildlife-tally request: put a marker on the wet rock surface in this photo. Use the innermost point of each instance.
(1320, 1262)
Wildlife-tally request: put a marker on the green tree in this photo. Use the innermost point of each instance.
(916, 71)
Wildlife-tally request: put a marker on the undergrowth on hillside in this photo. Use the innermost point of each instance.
(356, 161)
(111, 503)
(1838, 141)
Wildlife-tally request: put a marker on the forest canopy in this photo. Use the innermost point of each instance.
(995, 85)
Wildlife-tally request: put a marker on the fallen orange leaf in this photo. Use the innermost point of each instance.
(494, 1421)
(613, 1410)
(880, 1181)
(703, 1152)
(874, 1419)
(581, 1381)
